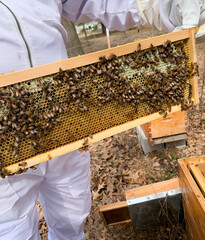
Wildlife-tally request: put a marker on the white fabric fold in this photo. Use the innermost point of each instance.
(164, 11)
(115, 14)
(185, 13)
(148, 11)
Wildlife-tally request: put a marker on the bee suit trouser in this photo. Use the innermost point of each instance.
(65, 199)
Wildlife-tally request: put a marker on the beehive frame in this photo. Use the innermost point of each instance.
(198, 171)
(49, 69)
(192, 183)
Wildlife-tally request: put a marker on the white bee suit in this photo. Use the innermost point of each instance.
(172, 15)
(31, 34)
(62, 186)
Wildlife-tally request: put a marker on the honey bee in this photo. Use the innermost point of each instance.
(1, 165)
(139, 47)
(33, 167)
(78, 70)
(151, 46)
(15, 153)
(40, 81)
(22, 164)
(83, 149)
(99, 72)
(102, 59)
(134, 65)
(49, 98)
(90, 135)
(16, 144)
(85, 142)
(167, 43)
(111, 57)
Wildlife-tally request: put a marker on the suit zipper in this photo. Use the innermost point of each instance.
(20, 32)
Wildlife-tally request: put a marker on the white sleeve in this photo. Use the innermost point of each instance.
(114, 14)
(185, 13)
(149, 12)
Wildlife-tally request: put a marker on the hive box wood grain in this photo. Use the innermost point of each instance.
(173, 124)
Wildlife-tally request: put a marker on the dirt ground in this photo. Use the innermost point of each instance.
(118, 163)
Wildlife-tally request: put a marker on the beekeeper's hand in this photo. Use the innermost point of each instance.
(172, 15)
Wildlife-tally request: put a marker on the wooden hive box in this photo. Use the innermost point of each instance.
(143, 205)
(173, 124)
(192, 183)
(50, 110)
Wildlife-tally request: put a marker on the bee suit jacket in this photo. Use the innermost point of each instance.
(40, 27)
(31, 34)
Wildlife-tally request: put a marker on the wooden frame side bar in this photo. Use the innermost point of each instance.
(193, 55)
(201, 167)
(198, 176)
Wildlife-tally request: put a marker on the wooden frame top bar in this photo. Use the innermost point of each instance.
(51, 68)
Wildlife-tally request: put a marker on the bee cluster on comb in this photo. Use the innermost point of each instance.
(42, 114)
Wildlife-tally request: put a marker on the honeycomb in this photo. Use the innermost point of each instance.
(43, 114)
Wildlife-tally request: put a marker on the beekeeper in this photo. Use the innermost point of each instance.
(31, 34)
